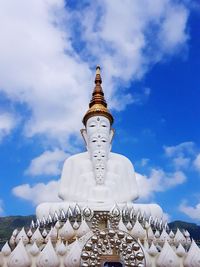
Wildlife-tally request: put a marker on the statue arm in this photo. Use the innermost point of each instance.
(132, 186)
(64, 186)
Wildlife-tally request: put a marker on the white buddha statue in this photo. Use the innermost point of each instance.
(98, 175)
(97, 178)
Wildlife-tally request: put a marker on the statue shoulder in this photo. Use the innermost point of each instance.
(77, 157)
(121, 159)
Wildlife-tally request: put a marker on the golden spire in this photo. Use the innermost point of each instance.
(98, 105)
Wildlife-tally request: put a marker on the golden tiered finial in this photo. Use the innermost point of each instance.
(98, 105)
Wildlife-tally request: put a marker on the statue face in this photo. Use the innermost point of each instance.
(99, 135)
(99, 141)
(98, 124)
(99, 156)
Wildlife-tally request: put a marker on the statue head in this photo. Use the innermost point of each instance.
(98, 133)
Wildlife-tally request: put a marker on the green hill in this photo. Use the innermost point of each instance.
(192, 228)
(10, 223)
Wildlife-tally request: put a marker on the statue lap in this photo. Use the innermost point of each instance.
(77, 186)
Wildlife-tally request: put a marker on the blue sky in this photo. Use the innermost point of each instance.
(150, 58)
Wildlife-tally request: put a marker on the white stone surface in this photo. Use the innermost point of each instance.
(153, 250)
(193, 257)
(164, 237)
(167, 257)
(56, 253)
(37, 237)
(83, 229)
(1, 260)
(48, 257)
(67, 232)
(22, 236)
(180, 251)
(34, 250)
(179, 238)
(19, 256)
(73, 257)
(6, 249)
(61, 249)
(138, 231)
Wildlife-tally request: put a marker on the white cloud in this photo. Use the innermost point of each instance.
(197, 163)
(180, 149)
(181, 155)
(7, 123)
(48, 67)
(122, 34)
(38, 193)
(173, 27)
(48, 163)
(42, 70)
(192, 212)
(144, 162)
(174, 179)
(181, 162)
(184, 156)
(158, 181)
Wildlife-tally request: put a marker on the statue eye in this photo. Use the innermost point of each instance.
(94, 141)
(92, 125)
(103, 125)
(104, 141)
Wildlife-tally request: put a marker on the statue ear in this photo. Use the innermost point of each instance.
(84, 135)
(112, 132)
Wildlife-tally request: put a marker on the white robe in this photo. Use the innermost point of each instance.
(78, 181)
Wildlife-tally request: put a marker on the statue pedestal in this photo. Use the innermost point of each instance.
(44, 209)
